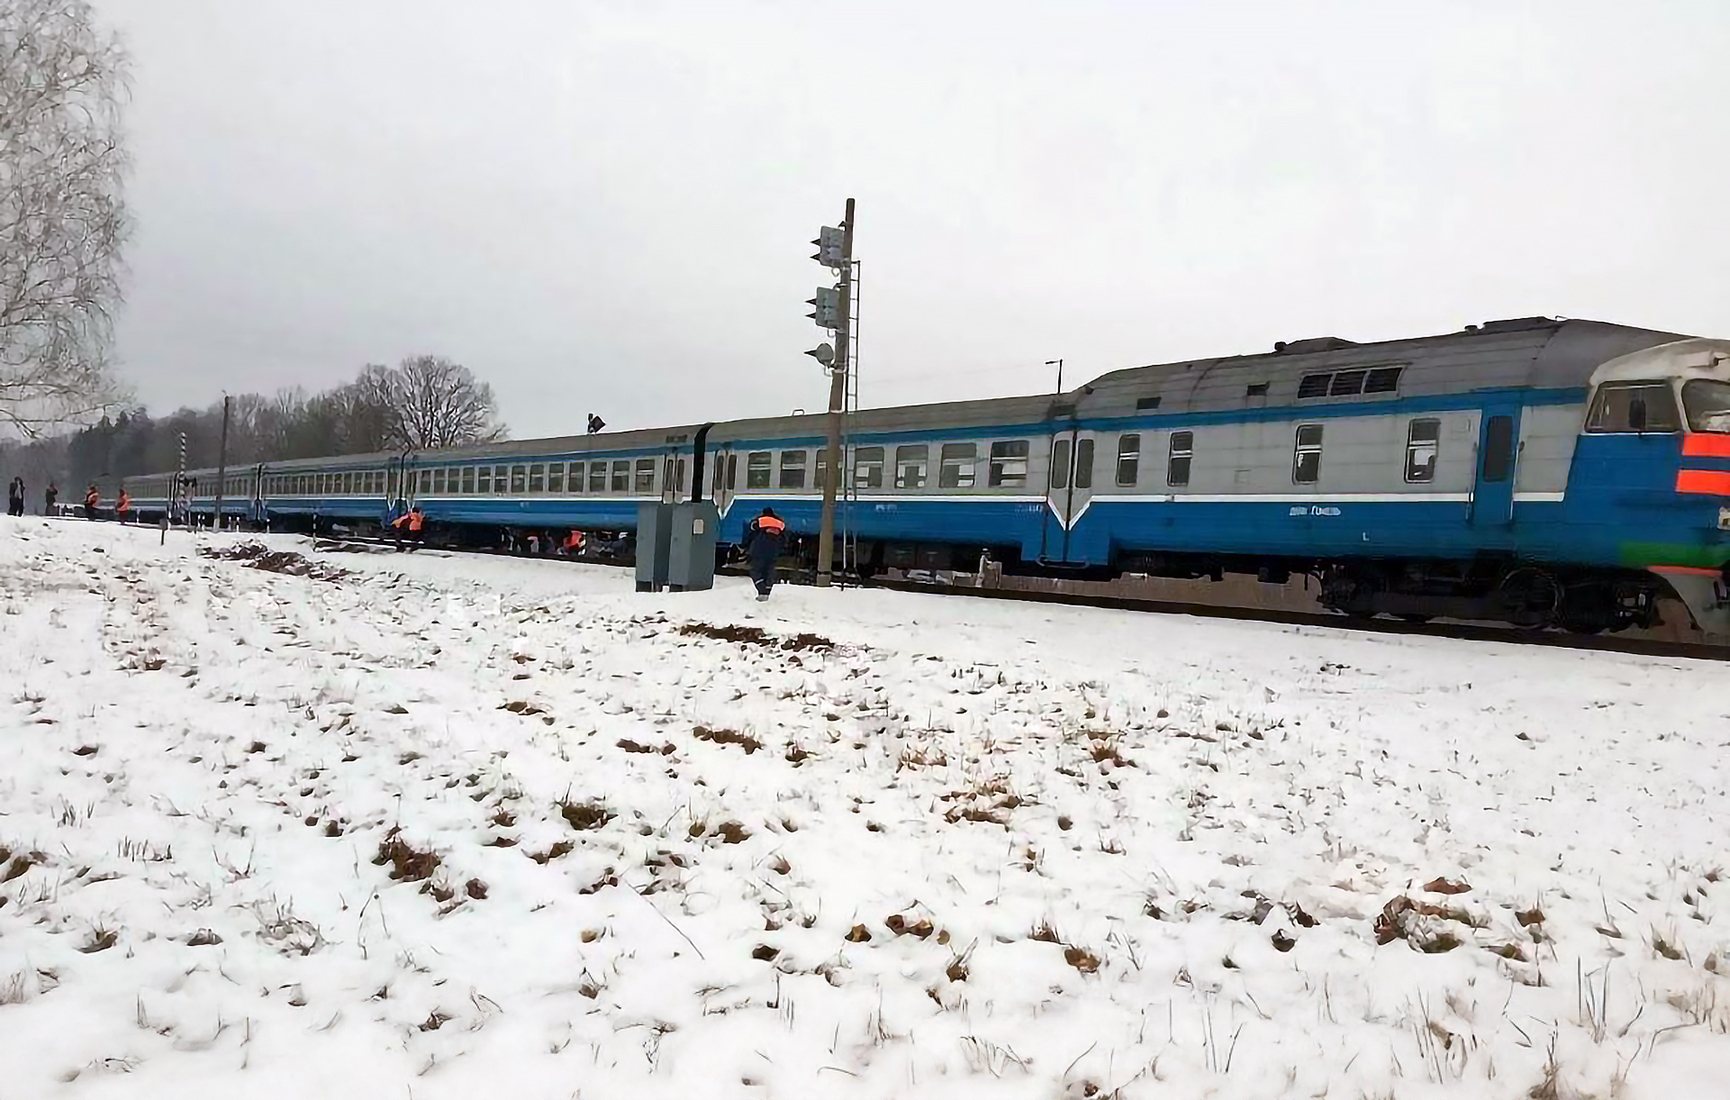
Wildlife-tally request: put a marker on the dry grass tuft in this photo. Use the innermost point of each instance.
(1083, 960)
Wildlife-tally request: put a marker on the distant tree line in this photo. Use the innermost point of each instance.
(426, 401)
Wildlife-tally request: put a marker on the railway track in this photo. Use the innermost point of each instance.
(1645, 647)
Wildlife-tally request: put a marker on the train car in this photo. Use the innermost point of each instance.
(1534, 471)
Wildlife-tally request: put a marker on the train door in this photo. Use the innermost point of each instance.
(1068, 491)
(1498, 456)
(258, 511)
(672, 477)
(723, 476)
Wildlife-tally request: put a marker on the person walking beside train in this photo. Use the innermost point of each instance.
(15, 497)
(123, 507)
(91, 499)
(49, 497)
(763, 538)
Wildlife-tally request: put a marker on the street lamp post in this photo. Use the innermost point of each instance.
(1058, 363)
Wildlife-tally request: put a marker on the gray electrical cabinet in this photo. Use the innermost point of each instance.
(654, 542)
(691, 565)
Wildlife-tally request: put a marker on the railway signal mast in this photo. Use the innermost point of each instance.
(832, 309)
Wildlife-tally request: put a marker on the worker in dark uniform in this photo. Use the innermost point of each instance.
(15, 497)
(763, 538)
(49, 498)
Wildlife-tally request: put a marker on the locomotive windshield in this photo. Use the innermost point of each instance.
(1708, 405)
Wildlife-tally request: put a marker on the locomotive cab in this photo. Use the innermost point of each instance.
(1653, 465)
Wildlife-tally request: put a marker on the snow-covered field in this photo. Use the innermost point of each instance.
(469, 827)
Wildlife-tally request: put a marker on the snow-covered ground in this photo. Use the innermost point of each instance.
(472, 827)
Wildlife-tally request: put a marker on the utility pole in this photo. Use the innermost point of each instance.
(832, 309)
(222, 461)
(1058, 363)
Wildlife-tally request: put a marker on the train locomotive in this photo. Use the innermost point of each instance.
(1545, 473)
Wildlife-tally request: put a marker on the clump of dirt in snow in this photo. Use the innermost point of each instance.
(585, 815)
(752, 635)
(258, 556)
(407, 864)
(728, 737)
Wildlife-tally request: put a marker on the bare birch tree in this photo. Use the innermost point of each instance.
(62, 215)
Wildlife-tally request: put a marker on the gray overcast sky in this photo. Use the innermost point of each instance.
(605, 204)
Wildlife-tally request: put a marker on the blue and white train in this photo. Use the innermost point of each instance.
(1535, 471)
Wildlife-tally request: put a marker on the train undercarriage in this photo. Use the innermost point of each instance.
(1523, 594)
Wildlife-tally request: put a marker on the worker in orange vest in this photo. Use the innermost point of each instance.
(123, 507)
(763, 539)
(410, 521)
(573, 544)
(91, 499)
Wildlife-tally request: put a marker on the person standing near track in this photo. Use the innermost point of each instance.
(91, 499)
(763, 538)
(15, 497)
(49, 497)
(410, 522)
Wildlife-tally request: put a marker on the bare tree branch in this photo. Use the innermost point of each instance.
(62, 216)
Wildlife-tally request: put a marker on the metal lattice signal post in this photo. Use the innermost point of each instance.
(832, 309)
(180, 478)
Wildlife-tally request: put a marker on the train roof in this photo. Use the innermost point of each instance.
(1519, 353)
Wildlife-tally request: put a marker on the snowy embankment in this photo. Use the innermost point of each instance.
(472, 827)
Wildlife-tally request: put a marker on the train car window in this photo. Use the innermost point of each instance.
(538, 478)
(1498, 448)
(439, 482)
(1423, 442)
(1634, 407)
(597, 477)
(732, 471)
(1128, 458)
(822, 471)
(1256, 389)
(621, 475)
(868, 468)
(1708, 404)
(426, 480)
(717, 472)
(1008, 464)
(645, 482)
(468, 488)
(484, 480)
(501, 479)
(1383, 380)
(556, 476)
(1060, 464)
(1348, 383)
(575, 483)
(792, 469)
(1084, 464)
(347, 485)
(1314, 385)
(1179, 457)
(911, 461)
(759, 467)
(957, 469)
(1143, 404)
(519, 480)
(1306, 463)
